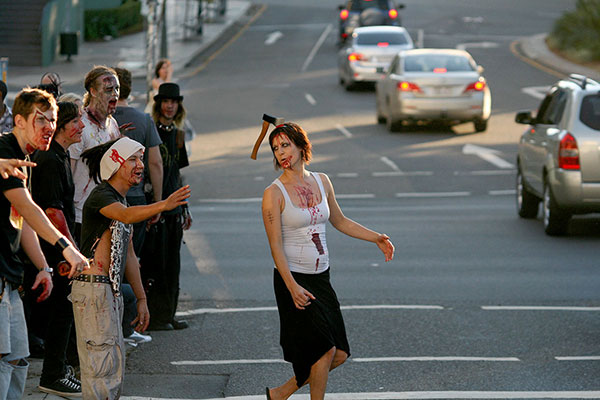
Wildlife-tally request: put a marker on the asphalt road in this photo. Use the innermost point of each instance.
(476, 304)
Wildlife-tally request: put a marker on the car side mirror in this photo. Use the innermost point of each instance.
(524, 117)
(400, 6)
(341, 7)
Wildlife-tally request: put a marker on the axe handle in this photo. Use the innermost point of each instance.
(263, 132)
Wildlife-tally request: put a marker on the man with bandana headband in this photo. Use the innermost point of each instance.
(21, 220)
(106, 237)
(100, 102)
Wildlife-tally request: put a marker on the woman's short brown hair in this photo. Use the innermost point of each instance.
(297, 135)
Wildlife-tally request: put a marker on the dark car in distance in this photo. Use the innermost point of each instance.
(357, 13)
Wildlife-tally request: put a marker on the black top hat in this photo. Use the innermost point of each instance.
(168, 91)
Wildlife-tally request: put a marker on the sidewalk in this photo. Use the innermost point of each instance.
(129, 51)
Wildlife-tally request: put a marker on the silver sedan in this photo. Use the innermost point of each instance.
(433, 85)
(370, 52)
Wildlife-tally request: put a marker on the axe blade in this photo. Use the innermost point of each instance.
(267, 119)
(273, 120)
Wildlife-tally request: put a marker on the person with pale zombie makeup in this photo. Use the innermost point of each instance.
(100, 102)
(52, 189)
(21, 221)
(296, 208)
(160, 255)
(106, 237)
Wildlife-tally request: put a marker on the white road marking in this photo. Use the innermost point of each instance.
(356, 196)
(489, 155)
(401, 173)
(486, 172)
(273, 37)
(433, 194)
(316, 47)
(446, 358)
(578, 358)
(479, 45)
(347, 175)
(311, 100)
(539, 308)
(537, 92)
(504, 192)
(389, 163)
(244, 200)
(344, 131)
(349, 307)
(227, 362)
(419, 395)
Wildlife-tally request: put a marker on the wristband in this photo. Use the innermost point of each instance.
(47, 269)
(61, 244)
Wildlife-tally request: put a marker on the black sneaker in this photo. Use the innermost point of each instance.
(62, 387)
(72, 376)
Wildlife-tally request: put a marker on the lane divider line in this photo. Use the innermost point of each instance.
(316, 47)
(343, 130)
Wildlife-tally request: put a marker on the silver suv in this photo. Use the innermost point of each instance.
(559, 155)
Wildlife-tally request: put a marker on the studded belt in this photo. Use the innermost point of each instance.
(93, 278)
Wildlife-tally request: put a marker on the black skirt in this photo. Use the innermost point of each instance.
(306, 335)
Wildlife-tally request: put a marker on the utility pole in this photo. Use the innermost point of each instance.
(164, 48)
(151, 43)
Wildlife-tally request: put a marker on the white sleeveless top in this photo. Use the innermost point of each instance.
(303, 231)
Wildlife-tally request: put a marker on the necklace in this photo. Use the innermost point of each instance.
(166, 128)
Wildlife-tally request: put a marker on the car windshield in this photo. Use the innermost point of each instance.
(437, 63)
(590, 111)
(359, 5)
(375, 38)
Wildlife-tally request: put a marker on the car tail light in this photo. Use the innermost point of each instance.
(475, 86)
(440, 70)
(356, 57)
(405, 86)
(383, 44)
(393, 13)
(344, 14)
(568, 153)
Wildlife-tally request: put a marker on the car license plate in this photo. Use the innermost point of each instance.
(443, 90)
(380, 70)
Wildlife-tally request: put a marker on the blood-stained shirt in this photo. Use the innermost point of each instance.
(91, 136)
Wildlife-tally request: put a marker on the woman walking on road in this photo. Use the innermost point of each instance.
(295, 209)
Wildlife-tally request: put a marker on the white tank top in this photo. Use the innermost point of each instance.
(303, 231)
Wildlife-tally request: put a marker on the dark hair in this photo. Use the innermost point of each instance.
(124, 81)
(28, 98)
(297, 135)
(93, 156)
(179, 118)
(51, 88)
(3, 90)
(67, 111)
(159, 65)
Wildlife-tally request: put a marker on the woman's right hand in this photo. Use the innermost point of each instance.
(301, 297)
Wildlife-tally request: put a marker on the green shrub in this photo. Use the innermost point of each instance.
(577, 33)
(113, 21)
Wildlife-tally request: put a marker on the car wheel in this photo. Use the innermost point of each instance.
(380, 118)
(480, 125)
(555, 219)
(391, 123)
(527, 203)
(349, 85)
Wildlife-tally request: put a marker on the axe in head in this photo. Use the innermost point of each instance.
(267, 119)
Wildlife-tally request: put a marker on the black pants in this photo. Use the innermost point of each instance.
(139, 229)
(58, 332)
(161, 265)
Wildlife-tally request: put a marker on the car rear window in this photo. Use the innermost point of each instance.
(373, 39)
(436, 62)
(589, 113)
(359, 5)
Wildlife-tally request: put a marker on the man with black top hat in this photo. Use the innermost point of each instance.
(160, 258)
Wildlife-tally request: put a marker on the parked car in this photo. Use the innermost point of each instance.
(370, 52)
(357, 13)
(558, 158)
(433, 85)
